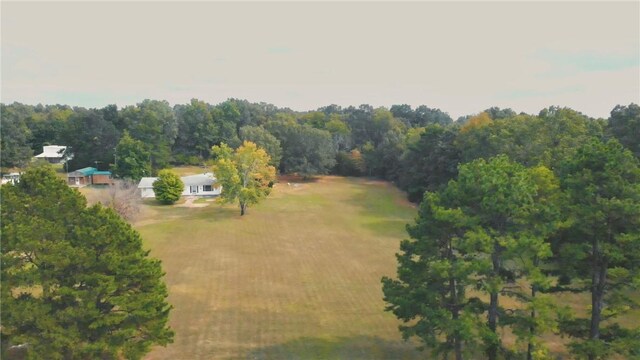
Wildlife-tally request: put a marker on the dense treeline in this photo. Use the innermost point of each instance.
(418, 149)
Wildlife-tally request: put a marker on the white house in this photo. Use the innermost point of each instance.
(53, 154)
(194, 185)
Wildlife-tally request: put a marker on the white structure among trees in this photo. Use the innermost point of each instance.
(194, 185)
(53, 154)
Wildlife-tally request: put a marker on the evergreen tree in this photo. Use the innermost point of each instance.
(483, 231)
(602, 248)
(76, 283)
(498, 198)
(433, 277)
(263, 138)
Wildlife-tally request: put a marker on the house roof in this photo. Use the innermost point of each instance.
(190, 180)
(52, 151)
(86, 171)
(146, 182)
(200, 179)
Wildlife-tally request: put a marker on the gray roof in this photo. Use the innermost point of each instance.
(146, 182)
(52, 151)
(190, 180)
(200, 179)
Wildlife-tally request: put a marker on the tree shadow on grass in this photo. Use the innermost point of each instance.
(351, 348)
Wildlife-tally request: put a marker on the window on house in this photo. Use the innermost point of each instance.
(206, 188)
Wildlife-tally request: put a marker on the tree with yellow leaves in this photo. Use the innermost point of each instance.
(244, 174)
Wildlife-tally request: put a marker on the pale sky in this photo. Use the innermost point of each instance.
(461, 57)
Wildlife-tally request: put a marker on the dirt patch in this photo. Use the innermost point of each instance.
(190, 203)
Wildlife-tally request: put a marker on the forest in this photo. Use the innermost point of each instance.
(510, 204)
(417, 149)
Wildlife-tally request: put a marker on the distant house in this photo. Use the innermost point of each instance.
(194, 185)
(89, 176)
(11, 178)
(53, 154)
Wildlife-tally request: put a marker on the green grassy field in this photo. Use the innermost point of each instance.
(296, 278)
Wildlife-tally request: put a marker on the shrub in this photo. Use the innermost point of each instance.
(168, 187)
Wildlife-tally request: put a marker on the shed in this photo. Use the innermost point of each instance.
(101, 178)
(89, 176)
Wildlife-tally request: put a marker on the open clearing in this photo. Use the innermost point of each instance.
(296, 278)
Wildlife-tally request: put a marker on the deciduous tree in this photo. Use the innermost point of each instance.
(263, 138)
(624, 125)
(132, 160)
(91, 137)
(14, 138)
(154, 123)
(429, 163)
(244, 174)
(305, 150)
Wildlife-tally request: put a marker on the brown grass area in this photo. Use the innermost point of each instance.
(298, 277)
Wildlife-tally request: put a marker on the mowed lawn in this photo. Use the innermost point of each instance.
(298, 277)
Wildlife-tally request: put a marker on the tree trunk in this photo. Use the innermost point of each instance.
(455, 314)
(597, 299)
(492, 350)
(598, 279)
(243, 208)
(455, 311)
(457, 344)
(532, 328)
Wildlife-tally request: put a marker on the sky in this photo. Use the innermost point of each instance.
(460, 57)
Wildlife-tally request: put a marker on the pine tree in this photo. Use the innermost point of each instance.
(484, 231)
(433, 277)
(76, 282)
(602, 248)
(132, 160)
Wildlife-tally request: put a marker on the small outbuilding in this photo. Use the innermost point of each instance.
(89, 176)
(54, 154)
(194, 185)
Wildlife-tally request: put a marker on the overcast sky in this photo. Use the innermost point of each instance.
(461, 57)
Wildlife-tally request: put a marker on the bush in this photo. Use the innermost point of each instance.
(168, 188)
